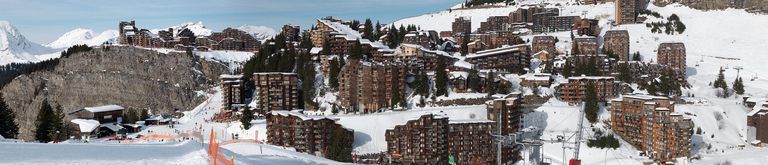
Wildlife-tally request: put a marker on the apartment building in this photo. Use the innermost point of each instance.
(432, 138)
(366, 87)
(617, 43)
(291, 33)
(626, 11)
(544, 43)
(586, 45)
(461, 25)
(276, 91)
(307, 134)
(494, 23)
(651, 125)
(672, 54)
(586, 27)
(509, 58)
(574, 91)
(231, 91)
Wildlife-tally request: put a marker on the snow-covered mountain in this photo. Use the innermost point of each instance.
(198, 28)
(259, 32)
(81, 36)
(14, 47)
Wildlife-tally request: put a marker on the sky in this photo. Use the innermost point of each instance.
(43, 21)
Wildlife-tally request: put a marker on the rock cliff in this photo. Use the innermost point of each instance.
(127, 76)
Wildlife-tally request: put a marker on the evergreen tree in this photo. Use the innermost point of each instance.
(624, 74)
(308, 83)
(44, 123)
(591, 106)
(333, 75)
(474, 81)
(490, 83)
(441, 77)
(652, 88)
(246, 117)
(339, 148)
(57, 122)
(637, 57)
(368, 30)
(720, 83)
(377, 32)
(8, 126)
(738, 86)
(567, 68)
(356, 52)
(144, 115)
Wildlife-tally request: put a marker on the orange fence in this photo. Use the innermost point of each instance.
(214, 152)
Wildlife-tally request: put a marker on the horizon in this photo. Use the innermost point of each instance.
(44, 22)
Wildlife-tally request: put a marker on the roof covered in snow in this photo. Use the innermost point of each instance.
(301, 116)
(105, 108)
(86, 125)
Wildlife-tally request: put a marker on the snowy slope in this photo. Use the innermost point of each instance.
(14, 47)
(184, 153)
(259, 32)
(81, 36)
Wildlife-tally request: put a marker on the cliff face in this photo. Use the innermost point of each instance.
(750, 5)
(125, 76)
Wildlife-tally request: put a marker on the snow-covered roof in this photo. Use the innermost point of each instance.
(105, 108)
(462, 64)
(112, 126)
(230, 76)
(469, 121)
(86, 125)
(644, 97)
(301, 116)
(342, 30)
(589, 77)
(315, 50)
(503, 49)
(457, 74)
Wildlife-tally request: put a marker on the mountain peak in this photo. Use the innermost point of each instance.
(81, 36)
(14, 47)
(259, 32)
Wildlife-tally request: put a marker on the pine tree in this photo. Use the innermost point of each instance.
(474, 81)
(637, 57)
(738, 86)
(333, 76)
(652, 88)
(377, 32)
(57, 122)
(8, 126)
(368, 30)
(356, 52)
(441, 77)
(490, 83)
(44, 123)
(308, 83)
(144, 114)
(247, 116)
(567, 68)
(338, 147)
(624, 74)
(591, 106)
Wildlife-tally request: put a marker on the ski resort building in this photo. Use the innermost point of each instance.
(651, 125)
(276, 91)
(574, 91)
(185, 39)
(586, 45)
(308, 134)
(432, 138)
(367, 87)
(544, 43)
(96, 122)
(617, 43)
(231, 91)
(509, 58)
(586, 27)
(291, 33)
(426, 39)
(461, 25)
(672, 54)
(626, 11)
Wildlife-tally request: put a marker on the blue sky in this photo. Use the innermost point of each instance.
(43, 21)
